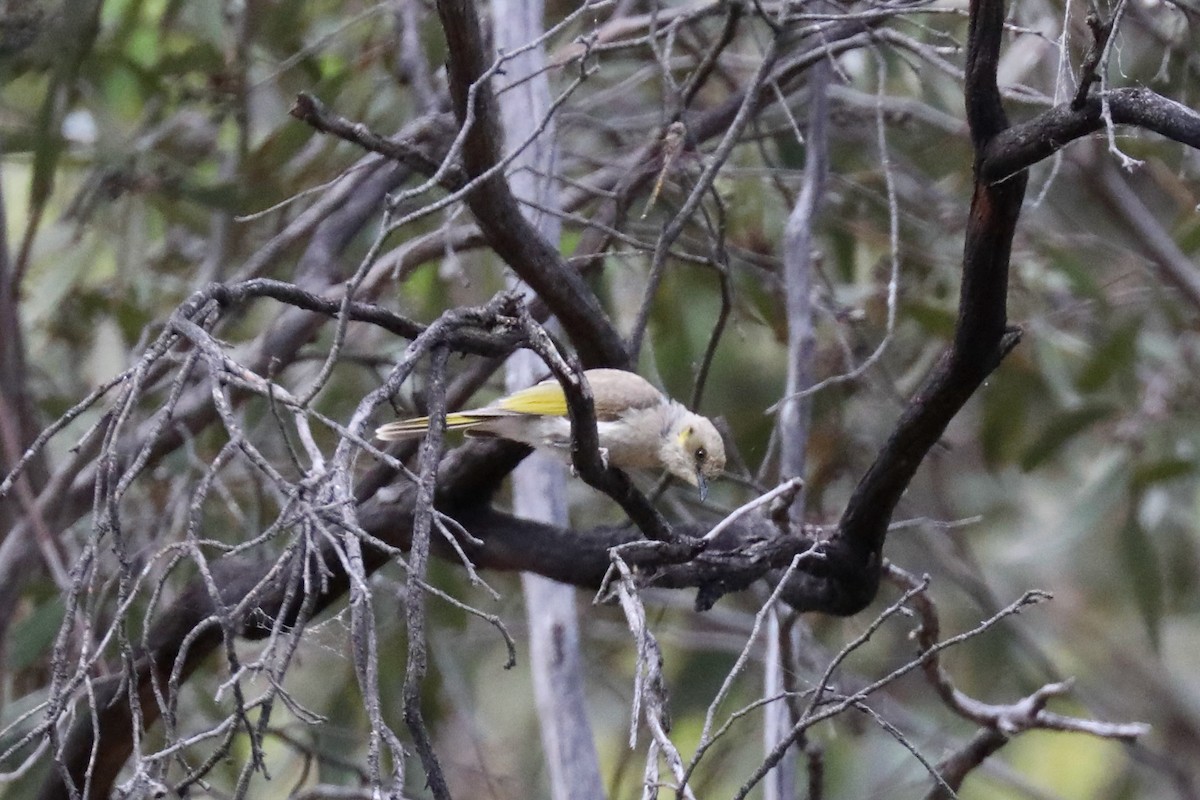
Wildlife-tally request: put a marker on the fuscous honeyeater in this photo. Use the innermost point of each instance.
(639, 426)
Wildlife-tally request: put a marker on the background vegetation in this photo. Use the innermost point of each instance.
(148, 151)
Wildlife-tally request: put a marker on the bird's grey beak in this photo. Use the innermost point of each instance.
(702, 485)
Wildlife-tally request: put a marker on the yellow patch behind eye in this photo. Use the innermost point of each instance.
(685, 433)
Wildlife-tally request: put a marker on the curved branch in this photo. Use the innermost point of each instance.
(1023, 145)
(497, 212)
(850, 578)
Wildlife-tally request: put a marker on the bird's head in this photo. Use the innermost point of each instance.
(693, 451)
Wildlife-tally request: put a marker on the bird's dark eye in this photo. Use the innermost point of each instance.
(701, 454)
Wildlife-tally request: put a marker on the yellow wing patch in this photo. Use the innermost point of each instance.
(543, 399)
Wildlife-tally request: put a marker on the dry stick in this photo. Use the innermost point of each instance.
(410, 55)
(592, 224)
(858, 641)
(787, 490)
(271, 662)
(343, 318)
(650, 691)
(539, 489)
(662, 55)
(998, 723)
(366, 656)
(214, 358)
(49, 545)
(414, 671)
(904, 741)
(706, 737)
(279, 667)
(835, 708)
(704, 70)
(798, 268)
(719, 262)
(465, 339)
(893, 286)
(66, 419)
(1174, 266)
(954, 768)
(492, 619)
(448, 173)
(193, 644)
(1007, 719)
(714, 163)
(82, 574)
(19, 421)
(1097, 62)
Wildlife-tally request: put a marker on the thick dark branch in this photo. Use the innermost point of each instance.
(1024, 145)
(985, 110)
(981, 336)
(497, 212)
(981, 340)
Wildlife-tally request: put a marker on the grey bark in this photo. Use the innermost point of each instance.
(539, 482)
(796, 412)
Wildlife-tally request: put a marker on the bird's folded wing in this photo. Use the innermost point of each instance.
(617, 392)
(544, 399)
(614, 392)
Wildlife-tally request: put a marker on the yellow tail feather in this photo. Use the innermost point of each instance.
(412, 428)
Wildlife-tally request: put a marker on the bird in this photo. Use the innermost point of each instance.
(639, 427)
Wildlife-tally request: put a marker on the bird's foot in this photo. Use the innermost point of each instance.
(603, 462)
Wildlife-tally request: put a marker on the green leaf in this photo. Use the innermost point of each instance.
(1160, 471)
(1060, 430)
(48, 146)
(1100, 505)
(1143, 572)
(33, 636)
(935, 318)
(791, 152)
(1114, 354)
(1006, 408)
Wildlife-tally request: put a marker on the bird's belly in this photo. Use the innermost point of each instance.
(554, 434)
(551, 433)
(625, 451)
